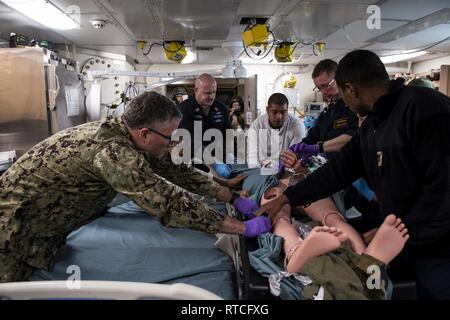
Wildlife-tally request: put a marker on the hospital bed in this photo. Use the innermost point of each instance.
(128, 245)
(126, 254)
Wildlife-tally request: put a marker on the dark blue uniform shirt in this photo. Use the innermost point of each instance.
(217, 118)
(333, 121)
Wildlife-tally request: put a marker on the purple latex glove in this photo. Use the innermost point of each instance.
(307, 151)
(257, 226)
(246, 206)
(294, 148)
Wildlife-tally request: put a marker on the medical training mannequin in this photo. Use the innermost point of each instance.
(324, 211)
(386, 244)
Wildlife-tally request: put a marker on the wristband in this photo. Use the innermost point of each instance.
(320, 143)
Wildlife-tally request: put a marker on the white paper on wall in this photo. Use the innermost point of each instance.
(72, 101)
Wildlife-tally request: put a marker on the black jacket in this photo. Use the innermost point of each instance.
(332, 122)
(217, 118)
(403, 152)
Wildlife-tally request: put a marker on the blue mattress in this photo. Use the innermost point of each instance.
(126, 244)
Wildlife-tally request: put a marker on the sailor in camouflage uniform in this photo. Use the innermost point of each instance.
(68, 179)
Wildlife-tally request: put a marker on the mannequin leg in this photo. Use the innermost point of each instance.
(325, 211)
(320, 241)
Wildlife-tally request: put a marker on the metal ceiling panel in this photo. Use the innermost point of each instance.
(86, 6)
(356, 34)
(411, 10)
(178, 19)
(419, 39)
(317, 19)
(439, 17)
(259, 8)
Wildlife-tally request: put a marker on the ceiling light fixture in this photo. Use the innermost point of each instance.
(402, 56)
(43, 12)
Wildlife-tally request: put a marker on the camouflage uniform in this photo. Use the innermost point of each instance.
(67, 180)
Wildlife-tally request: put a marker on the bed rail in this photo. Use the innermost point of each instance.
(102, 290)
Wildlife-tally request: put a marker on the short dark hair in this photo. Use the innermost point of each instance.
(327, 65)
(278, 99)
(361, 67)
(148, 108)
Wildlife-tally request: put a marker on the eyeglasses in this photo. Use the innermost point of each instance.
(168, 138)
(323, 87)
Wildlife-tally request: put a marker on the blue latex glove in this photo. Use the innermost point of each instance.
(363, 188)
(257, 226)
(222, 170)
(246, 206)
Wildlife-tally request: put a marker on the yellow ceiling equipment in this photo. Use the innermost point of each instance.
(255, 35)
(175, 51)
(319, 48)
(283, 52)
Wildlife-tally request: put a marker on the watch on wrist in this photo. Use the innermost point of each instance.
(320, 143)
